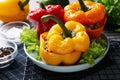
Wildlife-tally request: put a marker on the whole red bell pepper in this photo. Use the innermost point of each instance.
(35, 17)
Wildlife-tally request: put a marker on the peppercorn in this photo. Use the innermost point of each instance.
(5, 51)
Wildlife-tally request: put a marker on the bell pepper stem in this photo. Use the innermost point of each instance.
(23, 4)
(42, 5)
(66, 32)
(83, 6)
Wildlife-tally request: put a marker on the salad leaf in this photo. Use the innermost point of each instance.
(29, 37)
(97, 49)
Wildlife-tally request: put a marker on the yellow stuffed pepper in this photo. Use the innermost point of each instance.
(13, 10)
(63, 43)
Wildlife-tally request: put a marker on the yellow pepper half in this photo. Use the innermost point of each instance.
(13, 10)
(57, 48)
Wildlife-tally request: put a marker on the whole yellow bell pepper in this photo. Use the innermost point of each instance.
(13, 10)
(63, 43)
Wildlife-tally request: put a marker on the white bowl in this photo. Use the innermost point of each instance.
(66, 69)
(11, 31)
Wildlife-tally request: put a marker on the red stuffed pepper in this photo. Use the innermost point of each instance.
(35, 17)
(90, 14)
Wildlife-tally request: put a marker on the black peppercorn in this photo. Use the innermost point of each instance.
(5, 51)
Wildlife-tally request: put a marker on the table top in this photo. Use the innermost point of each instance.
(107, 69)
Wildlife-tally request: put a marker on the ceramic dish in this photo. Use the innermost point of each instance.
(65, 69)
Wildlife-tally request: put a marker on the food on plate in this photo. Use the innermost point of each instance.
(94, 31)
(90, 14)
(87, 13)
(13, 10)
(63, 3)
(29, 37)
(79, 41)
(63, 43)
(35, 17)
(97, 49)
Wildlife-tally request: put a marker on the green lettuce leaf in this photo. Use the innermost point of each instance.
(29, 37)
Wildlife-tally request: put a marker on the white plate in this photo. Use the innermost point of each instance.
(66, 69)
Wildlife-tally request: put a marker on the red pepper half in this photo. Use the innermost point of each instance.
(35, 17)
(96, 33)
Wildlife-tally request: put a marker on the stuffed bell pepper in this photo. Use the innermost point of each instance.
(14, 10)
(34, 16)
(90, 14)
(63, 44)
